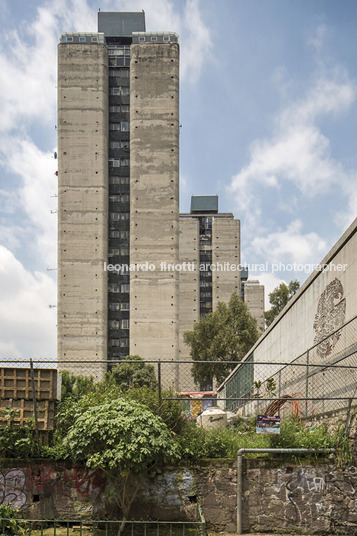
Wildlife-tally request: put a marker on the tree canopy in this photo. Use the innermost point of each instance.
(132, 372)
(278, 298)
(124, 439)
(227, 334)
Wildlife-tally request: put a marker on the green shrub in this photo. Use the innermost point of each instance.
(8, 523)
(17, 441)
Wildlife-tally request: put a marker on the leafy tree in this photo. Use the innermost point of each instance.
(124, 439)
(75, 386)
(227, 334)
(278, 298)
(132, 375)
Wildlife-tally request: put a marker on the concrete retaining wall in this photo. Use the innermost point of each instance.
(315, 499)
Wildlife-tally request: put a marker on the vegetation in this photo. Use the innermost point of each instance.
(8, 523)
(124, 439)
(132, 375)
(278, 298)
(17, 441)
(227, 334)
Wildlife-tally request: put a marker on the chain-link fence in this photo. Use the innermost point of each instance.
(321, 381)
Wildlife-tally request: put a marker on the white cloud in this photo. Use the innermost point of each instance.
(290, 245)
(297, 153)
(27, 324)
(36, 169)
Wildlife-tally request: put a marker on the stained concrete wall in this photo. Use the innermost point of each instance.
(254, 298)
(225, 249)
(154, 178)
(82, 205)
(189, 299)
(309, 498)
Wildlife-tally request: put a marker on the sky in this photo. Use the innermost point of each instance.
(268, 107)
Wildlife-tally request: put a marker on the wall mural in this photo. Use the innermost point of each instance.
(331, 311)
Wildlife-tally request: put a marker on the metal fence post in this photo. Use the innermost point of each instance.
(34, 403)
(307, 380)
(159, 383)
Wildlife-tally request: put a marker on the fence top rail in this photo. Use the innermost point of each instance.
(176, 362)
(258, 399)
(92, 521)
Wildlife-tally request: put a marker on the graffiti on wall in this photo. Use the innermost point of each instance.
(12, 488)
(330, 315)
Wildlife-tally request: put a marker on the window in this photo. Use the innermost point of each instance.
(125, 288)
(124, 343)
(114, 126)
(119, 108)
(114, 324)
(125, 126)
(124, 306)
(153, 38)
(141, 39)
(114, 163)
(114, 307)
(94, 39)
(114, 342)
(113, 251)
(115, 216)
(125, 107)
(82, 39)
(166, 38)
(114, 234)
(114, 145)
(119, 91)
(124, 162)
(123, 73)
(113, 72)
(69, 39)
(124, 251)
(113, 287)
(119, 180)
(124, 324)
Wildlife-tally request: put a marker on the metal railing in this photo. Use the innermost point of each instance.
(58, 527)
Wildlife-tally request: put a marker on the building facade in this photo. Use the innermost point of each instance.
(118, 213)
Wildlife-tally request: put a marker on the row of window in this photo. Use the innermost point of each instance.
(119, 162)
(123, 126)
(154, 38)
(119, 108)
(117, 216)
(119, 234)
(122, 343)
(82, 39)
(206, 295)
(119, 180)
(119, 324)
(119, 90)
(113, 252)
(123, 306)
(119, 51)
(123, 73)
(124, 198)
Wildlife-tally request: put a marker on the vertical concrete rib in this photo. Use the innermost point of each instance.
(189, 280)
(225, 249)
(82, 206)
(154, 178)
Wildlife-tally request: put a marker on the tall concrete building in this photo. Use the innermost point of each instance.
(118, 212)
(118, 130)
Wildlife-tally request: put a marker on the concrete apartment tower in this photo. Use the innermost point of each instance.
(118, 130)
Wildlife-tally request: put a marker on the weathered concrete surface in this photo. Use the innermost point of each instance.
(82, 205)
(154, 180)
(254, 298)
(189, 298)
(225, 248)
(312, 499)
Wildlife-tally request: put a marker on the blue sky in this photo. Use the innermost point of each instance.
(268, 112)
